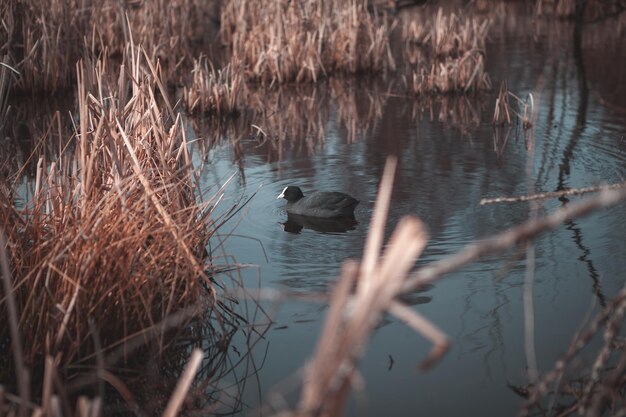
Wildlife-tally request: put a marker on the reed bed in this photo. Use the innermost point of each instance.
(452, 75)
(114, 228)
(214, 92)
(39, 40)
(44, 39)
(447, 35)
(280, 41)
(446, 54)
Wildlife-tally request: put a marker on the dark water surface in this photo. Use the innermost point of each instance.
(450, 157)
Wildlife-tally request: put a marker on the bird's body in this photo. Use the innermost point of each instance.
(323, 204)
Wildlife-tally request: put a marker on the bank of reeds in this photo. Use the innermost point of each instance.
(446, 54)
(212, 91)
(114, 228)
(280, 41)
(44, 39)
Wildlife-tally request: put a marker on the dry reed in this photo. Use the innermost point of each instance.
(552, 194)
(212, 91)
(45, 39)
(112, 228)
(452, 75)
(503, 110)
(448, 35)
(446, 54)
(301, 41)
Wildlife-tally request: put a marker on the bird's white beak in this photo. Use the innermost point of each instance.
(282, 194)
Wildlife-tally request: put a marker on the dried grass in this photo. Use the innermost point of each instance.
(280, 41)
(448, 35)
(452, 75)
(213, 92)
(45, 39)
(503, 109)
(446, 54)
(112, 228)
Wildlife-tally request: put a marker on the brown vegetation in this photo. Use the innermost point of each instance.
(301, 41)
(503, 110)
(446, 54)
(44, 39)
(212, 91)
(114, 227)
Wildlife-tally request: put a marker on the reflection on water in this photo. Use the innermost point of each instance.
(450, 156)
(295, 223)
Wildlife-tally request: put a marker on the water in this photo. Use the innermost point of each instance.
(447, 163)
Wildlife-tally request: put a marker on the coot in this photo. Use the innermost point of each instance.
(318, 204)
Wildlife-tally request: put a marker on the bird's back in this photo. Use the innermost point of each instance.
(324, 204)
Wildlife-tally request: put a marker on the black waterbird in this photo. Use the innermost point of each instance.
(321, 204)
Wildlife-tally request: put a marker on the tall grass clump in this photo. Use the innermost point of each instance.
(446, 54)
(41, 39)
(213, 91)
(281, 41)
(112, 229)
(45, 38)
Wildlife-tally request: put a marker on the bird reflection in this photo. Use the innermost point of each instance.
(295, 223)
